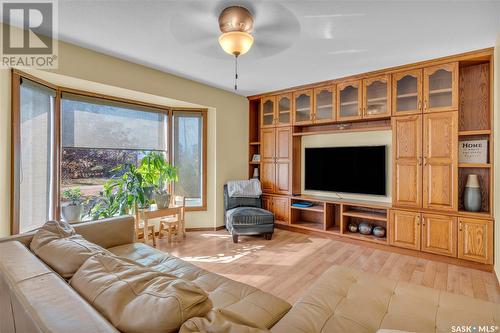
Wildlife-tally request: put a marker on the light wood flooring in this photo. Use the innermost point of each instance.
(287, 265)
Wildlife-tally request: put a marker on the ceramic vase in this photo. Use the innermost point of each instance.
(365, 228)
(472, 194)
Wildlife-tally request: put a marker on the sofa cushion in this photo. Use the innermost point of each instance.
(249, 216)
(347, 300)
(220, 321)
(57, 244)
(258, 307)
(136, 298)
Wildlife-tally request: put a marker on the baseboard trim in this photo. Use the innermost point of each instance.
(206, 229)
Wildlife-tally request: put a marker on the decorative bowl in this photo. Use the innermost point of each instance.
(353, 227)
(379, 231)
(365, 228)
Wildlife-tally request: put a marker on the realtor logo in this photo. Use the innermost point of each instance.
(29, 35)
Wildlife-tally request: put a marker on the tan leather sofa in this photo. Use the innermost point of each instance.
(33, 298)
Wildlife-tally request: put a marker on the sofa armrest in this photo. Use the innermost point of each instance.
(110, 232)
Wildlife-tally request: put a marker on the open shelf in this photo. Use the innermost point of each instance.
(485, 185)
(474, 165)
(483, 215)
(473, 133)
(308, 225)
(256, 143)
(315, 208)
(366, 215)
(370, 238)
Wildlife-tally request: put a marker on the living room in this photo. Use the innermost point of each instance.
(249, 166)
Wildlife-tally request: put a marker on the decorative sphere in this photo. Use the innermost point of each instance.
(379, 231)
(353, 227)
(365, 228)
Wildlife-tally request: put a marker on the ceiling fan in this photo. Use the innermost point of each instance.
(211, 28)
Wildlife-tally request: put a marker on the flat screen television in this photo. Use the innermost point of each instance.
(346, 169)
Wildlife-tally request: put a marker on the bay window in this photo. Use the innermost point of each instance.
(66, 139)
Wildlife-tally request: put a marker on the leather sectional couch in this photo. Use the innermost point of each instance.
(34, 298)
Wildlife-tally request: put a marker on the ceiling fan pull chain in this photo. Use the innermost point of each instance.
(236, 72)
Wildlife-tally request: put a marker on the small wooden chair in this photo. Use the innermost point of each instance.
(175, 223)
(139, 228)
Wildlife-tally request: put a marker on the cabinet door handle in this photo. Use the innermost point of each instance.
(425, 105)
(460, 226)
(419, 105)
(420, 161)
(425, 161)
(418, 220)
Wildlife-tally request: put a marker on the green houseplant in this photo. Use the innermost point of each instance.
(157, 173)
(72, 211)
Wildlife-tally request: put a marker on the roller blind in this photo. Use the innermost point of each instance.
(89, 122)
(36, 185)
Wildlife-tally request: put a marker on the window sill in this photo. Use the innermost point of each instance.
(196, 209)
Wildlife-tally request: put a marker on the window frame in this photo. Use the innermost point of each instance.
(16, 77)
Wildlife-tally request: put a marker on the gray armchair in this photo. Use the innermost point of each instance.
(245, 216)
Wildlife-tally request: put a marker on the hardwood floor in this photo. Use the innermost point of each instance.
(287, 265)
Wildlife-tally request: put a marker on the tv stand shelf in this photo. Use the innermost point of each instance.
(333, 216)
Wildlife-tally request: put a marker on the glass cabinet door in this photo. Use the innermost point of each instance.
(376, 100)
(302, 107)
(324, 104)
(267, 111)
(407, 92)
(440, 87)
(349, 101)
(284, 109)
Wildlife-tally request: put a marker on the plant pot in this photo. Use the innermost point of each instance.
(149, 192)
(162, 200)
(72, 213)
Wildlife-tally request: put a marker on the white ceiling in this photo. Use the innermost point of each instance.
(323, 39)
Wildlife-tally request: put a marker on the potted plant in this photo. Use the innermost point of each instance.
(72, 211)
(156, 172)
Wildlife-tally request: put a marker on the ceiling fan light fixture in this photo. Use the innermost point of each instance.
(236, 42)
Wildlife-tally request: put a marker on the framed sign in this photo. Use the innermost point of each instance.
(473, 151)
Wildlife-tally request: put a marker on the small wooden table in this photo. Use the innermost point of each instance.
(146, 215)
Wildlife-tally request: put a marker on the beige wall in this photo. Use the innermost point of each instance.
(83, 68)
(496, 117)
(376, 138)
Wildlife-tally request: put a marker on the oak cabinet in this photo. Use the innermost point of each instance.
(377, 97)
(277, 205)
(324, 104)
(475, 240)
(439, 234)
(268, 111)
(276, 160)
(441, 87)
(407, 92)
(302, 107)
(349, 100)
(407, 161)
(425, 161)
(281, 206)
(440, 179)
(405, 229)
(284, 110)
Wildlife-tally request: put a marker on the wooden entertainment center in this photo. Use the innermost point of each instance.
(430, 107)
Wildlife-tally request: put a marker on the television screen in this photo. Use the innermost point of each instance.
(346, 169)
